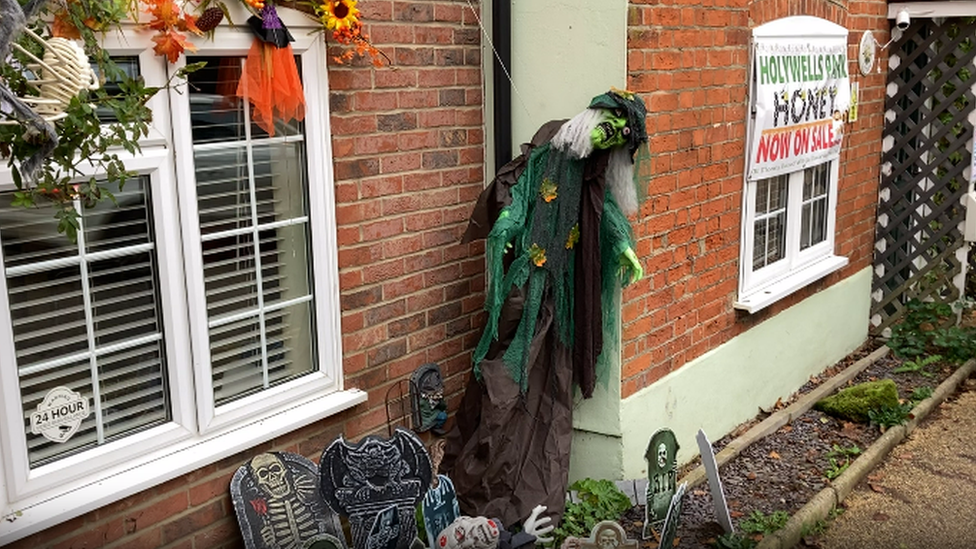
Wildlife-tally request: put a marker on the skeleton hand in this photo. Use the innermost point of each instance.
(539, 526)
(628, 259)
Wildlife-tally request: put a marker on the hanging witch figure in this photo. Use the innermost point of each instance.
(558, 247)
(270, 78)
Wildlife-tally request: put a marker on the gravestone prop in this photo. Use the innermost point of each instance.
(673, 519)
(377, 483)
(440, 508)
(278, 505)
(714, 482)
(427, 397)
(662, 476)
(606, 535)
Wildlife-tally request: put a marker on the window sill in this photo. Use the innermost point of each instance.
(768, 294)
(42, 511)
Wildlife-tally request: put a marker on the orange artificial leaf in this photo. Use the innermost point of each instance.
(166, 15)
(171, 44)
(189, 23)
(63, 28)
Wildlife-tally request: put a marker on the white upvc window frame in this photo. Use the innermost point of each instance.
(759, 288)
(199, 433)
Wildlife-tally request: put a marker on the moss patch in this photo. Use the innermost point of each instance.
(855, 402)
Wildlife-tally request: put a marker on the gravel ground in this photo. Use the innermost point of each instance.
(922, 496)
(785, 469)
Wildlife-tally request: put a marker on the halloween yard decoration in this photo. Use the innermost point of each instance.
(440, 508)
(270, 78)
(606, 534)
(558, 247)
(39, 131)
(662, 477)
(482, 533)
(427, 399)
(377, 483)
(714, 482)
(278, 504)
(670, 526)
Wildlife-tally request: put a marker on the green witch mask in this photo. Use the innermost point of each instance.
(612, 132)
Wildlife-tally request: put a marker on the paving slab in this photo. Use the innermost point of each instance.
(924, 495)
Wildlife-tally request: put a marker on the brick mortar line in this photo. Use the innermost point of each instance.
(819, 507)
(784, 416)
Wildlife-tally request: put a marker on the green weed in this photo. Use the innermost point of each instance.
(889, 416)
(734, 541)
(918, 366)
(596, 500)
(921, 393)
(761, 523)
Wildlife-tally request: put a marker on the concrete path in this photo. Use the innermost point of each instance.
(924, 495)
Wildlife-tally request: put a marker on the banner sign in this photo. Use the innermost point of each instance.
(802, 93)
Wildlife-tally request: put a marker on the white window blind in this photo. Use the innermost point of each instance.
(253, 219)
(87, 316)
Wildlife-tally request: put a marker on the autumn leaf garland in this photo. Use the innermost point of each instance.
(171, 23)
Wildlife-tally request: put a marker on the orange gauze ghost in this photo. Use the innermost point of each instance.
(270, 77)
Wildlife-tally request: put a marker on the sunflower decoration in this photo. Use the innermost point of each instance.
(342, 18)
(339, 15)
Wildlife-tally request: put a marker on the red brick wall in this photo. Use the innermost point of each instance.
(408, 155)
(689, 60)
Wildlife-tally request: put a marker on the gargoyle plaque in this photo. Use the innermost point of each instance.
(364, 480)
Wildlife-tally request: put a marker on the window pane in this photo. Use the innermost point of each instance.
(129, 66)
(769, 228)
(813, 221)
(253, 205)
(89, 321)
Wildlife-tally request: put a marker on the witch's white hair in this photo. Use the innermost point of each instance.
(574, 135)
(620, 180)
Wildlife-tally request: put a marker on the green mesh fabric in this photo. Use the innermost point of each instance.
(615, 237)
(537, 226)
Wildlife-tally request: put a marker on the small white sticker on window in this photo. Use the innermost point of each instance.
(59, 415)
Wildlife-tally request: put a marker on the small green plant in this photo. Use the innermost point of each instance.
(761, 523)
(835, 512)
(921, 393)
(889, 416)
(840, 459)
(928, 328)
(734, 541)
(814, 529)
(918, 366)
(596, 500)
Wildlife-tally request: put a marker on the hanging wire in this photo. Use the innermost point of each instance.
(508, 75)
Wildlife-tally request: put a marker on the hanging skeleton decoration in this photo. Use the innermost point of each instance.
(64, 72)
(377, 484)
(278, 505)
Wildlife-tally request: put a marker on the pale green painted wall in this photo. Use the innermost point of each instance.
(564, 52)
(726, 386)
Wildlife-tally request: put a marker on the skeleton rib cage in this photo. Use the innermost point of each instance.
(64, 72)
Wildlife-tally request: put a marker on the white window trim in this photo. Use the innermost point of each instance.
(761, 288)
(32, 500)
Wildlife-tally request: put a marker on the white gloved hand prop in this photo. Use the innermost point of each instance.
(539, 525)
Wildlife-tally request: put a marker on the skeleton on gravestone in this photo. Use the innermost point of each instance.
(662, 478)
(604, 535)
(365, 480)
(278, 506)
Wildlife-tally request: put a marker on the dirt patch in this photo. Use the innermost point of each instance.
(784, 470)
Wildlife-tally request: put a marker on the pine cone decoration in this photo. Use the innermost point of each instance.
(209, 19)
